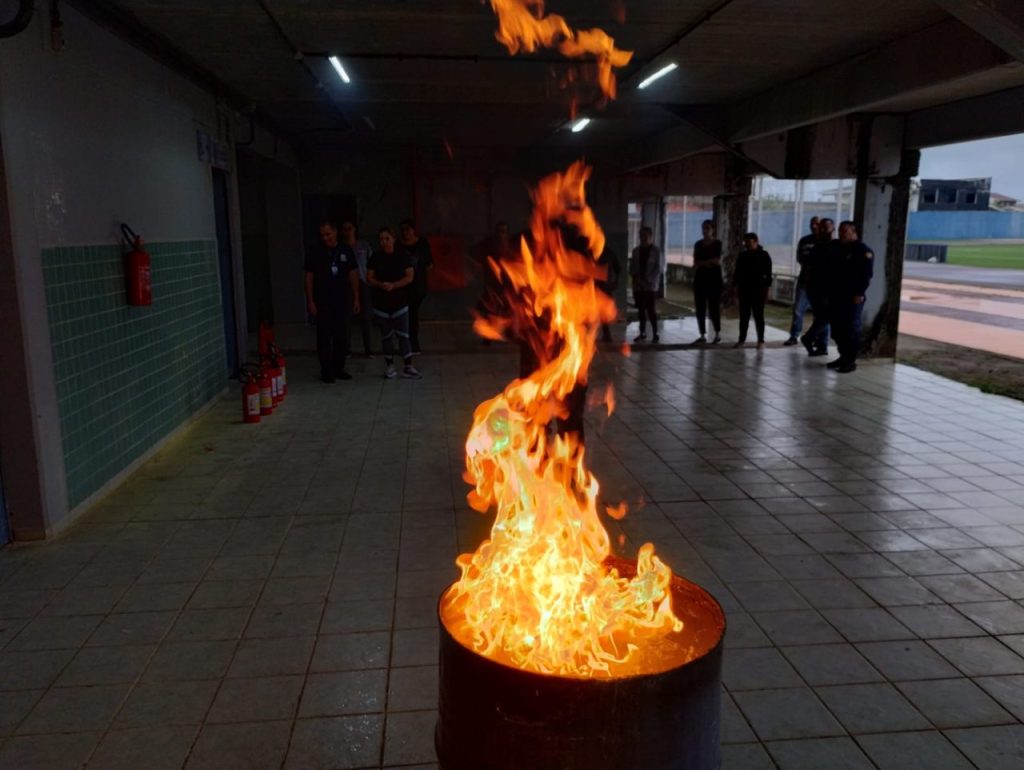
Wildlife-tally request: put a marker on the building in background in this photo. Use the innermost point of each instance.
(954, 194)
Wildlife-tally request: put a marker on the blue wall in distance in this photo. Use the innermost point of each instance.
(776, 227)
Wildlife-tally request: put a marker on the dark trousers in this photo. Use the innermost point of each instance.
(707, 296)
(846, 328)
(394, 328)
(751, 303)
(332, 336)
(646, 303)
(819, 330)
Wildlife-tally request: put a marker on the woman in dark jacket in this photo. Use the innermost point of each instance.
(751, 280)
(707, 282)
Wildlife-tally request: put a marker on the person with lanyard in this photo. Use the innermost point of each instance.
(645, 269)
(815, 271)
(362, 250)
(417, 249)
(707, 282)
(849, 278)
(751, 280)
(332, 296)
(390, 274)
(801, 301)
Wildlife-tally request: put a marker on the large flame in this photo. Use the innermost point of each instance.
(539, 594)
(523, 26)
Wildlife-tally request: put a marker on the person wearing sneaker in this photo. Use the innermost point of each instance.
(801, 300)
(645, 268)
(332, 296)
(849, 279)
(389, 274)
(707, 282)
(815, 271)
(751, 280)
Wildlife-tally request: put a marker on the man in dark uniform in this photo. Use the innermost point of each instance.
(850, 276)
(801, 301)
(332, 296)
(815, 272)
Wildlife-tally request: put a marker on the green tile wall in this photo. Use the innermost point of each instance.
(128, 376)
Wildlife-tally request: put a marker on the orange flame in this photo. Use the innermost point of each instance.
(523, 26)
(538, 594)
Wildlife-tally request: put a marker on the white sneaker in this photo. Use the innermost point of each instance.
(411, 373)
(390, 372)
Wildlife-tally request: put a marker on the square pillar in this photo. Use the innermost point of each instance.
(731, 209)
(881, 212)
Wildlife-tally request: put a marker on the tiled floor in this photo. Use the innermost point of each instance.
(264, 596)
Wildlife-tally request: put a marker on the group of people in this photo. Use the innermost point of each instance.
(834, 278)
(346, 278)
(833, 282)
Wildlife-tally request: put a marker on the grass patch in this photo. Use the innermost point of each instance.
(1007, 256)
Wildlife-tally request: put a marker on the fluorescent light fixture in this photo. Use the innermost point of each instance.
(340, 69)
(580, 124)
(659, 74)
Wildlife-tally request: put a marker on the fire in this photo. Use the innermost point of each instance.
(539, 594)
(523, 26)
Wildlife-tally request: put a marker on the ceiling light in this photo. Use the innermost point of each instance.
(580, 124)
(659, 74)
(340, 69)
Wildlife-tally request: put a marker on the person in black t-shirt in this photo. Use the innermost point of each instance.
(416, 249)
(751, 280)
(707, 282)
(390, 274)
(801, 299)
(332, 296)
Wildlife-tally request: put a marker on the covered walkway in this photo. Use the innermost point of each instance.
(264, 596)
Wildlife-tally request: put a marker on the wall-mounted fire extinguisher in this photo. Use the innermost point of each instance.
(250, 376)
(138, 274)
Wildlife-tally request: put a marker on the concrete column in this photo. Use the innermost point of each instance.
(881, 210)
(731, 209)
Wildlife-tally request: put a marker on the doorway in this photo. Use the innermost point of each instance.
(222, 214)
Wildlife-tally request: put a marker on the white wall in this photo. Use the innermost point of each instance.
(92, 135)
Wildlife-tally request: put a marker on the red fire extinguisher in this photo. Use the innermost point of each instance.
(266, 393)
(250, 394)
(275, 380)
(266, 338)
(138, 274)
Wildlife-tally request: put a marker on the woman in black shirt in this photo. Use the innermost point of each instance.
(751, 281)
(707, 282)
(389, 274)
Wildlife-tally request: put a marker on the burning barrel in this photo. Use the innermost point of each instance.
(662, 712)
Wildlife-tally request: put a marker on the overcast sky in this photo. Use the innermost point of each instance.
(1002, 159)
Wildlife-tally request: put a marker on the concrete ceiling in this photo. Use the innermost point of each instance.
(427, 72)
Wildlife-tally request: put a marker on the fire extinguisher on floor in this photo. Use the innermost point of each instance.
(250, 376)
(137, 270)
(266, 393)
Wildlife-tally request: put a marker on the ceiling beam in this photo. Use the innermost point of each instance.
(943, 53)
(998, 21)
(960, 121)
(669, 145)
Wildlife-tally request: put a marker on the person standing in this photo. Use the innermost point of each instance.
(390, 274)
(707, 282)
(801, 301)
(362, 250)
(645, 269)
(416, 249)
(751, 280)
(850, 277)
(815, 271)
(332, 296)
